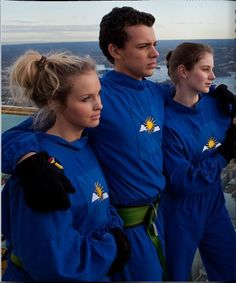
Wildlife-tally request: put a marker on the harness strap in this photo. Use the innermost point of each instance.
(153, 235)
(15, 259)
(133, 215)
(145, 215)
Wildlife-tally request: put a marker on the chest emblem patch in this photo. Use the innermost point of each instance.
(211, 144)
(149, 126)
(99, 194)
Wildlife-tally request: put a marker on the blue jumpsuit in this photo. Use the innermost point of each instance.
(193, 206)
(127, 143)
(71, 245)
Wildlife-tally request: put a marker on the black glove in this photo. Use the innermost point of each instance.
(44, 183)
(228, 147)
(227, 100)
(123, 251)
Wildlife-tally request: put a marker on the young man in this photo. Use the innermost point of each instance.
(128, 139)
(128, 142)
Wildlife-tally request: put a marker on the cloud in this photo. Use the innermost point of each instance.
(48, 33)
(42, 28)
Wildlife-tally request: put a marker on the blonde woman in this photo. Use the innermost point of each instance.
(83, 241)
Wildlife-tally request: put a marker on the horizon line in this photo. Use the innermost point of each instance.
(48, 42)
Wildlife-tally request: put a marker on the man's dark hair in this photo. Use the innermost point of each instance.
(112, 27)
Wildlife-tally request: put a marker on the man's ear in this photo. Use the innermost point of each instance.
(182, 72)
(114, 51)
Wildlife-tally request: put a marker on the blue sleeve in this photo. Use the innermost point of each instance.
(51, 249)
(184, 176)
(16, 142)
(115, 219)
(168, 91)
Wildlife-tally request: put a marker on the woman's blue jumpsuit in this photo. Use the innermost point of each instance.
(193, 206)
(70, 245)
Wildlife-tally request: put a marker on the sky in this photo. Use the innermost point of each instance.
(51, 21)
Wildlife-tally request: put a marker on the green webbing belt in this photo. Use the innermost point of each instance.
(153, 235)
(133, 215)
(145, 214)
(15, 259)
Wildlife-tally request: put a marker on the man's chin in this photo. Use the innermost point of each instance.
(149, 73)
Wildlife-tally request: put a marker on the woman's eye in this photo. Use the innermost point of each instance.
(85, 99)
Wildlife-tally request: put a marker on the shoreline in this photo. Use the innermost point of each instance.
(17, 110)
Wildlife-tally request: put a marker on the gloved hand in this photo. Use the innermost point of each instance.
(123, 251)
(44, 183)
(228, 147)
(227, 100)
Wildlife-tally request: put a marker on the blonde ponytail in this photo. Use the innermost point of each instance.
(39, 78)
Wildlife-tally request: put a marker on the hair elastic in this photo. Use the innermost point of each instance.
(42, 62)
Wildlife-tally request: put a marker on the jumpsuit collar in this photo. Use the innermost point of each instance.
(76, 144)
(125, 80)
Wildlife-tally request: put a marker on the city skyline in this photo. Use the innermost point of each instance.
(51, 21)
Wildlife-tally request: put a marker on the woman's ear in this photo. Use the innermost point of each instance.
(114, 51)
(52, 104)
(182, 72)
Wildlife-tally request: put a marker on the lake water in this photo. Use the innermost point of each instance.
(9, 120)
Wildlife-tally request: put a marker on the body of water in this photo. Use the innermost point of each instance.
(9, 121)
(229, 81)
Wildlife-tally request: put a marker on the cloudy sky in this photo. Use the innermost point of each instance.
(51, 21)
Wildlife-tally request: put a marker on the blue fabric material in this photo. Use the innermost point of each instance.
(127, 143)
(129, 153)
(71, 245)
(16, 142)
(193, 205)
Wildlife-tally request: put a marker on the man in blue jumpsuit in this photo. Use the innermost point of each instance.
(128, 139)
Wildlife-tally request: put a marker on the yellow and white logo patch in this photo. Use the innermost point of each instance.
(99, 194)
(211, 144)
(149, 126)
